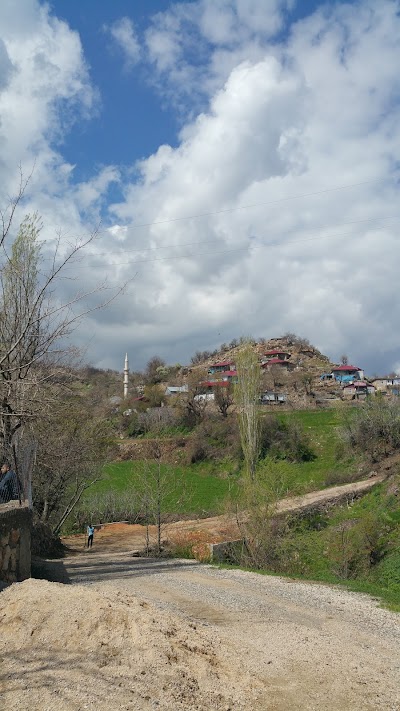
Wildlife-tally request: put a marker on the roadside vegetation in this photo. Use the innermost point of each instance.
(356, 543)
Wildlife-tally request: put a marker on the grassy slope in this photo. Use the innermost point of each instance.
(209, 483)
(191, 489)
(329, 467)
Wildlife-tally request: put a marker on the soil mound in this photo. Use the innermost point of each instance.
(84, 647)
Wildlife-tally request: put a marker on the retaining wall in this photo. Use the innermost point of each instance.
(226, 552)
(15, 542)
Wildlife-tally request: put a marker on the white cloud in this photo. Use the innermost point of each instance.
(194, 46)
(47, 90)
(281, 123)
(318, 111)
(124, 35)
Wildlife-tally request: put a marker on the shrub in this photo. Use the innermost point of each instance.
(214, 439)
(374, 428)
(337, 477)
(354, 546)
(284, 440)
(193, 545)
(387, 572)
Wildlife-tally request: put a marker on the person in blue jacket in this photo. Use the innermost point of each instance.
(90, 534)
(9, 488)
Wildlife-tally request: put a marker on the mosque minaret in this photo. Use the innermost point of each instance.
(126, 376)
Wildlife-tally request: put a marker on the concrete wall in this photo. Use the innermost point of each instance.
(226, 552)
(15, 542)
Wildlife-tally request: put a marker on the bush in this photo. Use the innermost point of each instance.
(284, 440)
(213, 440)
(192, 545)
(44, 543)
(387, 573)
(336, 477)
(374, 428)
(355, 546)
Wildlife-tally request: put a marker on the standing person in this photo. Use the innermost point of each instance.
(9, 488)
(90, 534)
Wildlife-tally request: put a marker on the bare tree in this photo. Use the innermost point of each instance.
(157, 487)
(247, 396)
(307, 380)
(195, 399)
(72, 447)
(33, 322)
(223, 398)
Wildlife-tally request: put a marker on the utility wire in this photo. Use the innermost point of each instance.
(212, 241)
(106, 231)
(225, 251)
(256, 204)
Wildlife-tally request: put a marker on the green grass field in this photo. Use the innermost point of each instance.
(201, 489)
(194, 489)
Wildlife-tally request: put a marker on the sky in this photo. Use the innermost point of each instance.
(239, 160)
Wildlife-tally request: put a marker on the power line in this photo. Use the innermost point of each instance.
(106, 231)
(212, 241)
(256, 204)
(226, 251)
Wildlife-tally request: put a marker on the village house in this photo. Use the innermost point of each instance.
(176, 389)
(208, 387)
(386, 383)
(358, 390)
(277, 353)
(223, 372)
(270, 397)
(283, 364)
(224, 367)
(347, 373)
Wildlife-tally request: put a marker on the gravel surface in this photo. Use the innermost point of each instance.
(296, 645)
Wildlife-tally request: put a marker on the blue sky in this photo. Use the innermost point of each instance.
(242, 157)
(131, 121)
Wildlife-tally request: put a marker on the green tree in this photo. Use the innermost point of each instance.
(247, 397)
(155, 371)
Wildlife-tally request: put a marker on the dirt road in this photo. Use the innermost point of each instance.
(176, 635)
(297, 645)
(128, 537)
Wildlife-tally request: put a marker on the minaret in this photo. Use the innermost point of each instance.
(126, 376)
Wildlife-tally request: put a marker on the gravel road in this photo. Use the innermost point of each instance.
(300, 646)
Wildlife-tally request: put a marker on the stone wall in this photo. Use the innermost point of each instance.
(15, 542)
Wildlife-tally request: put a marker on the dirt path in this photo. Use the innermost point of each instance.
(129, 537)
